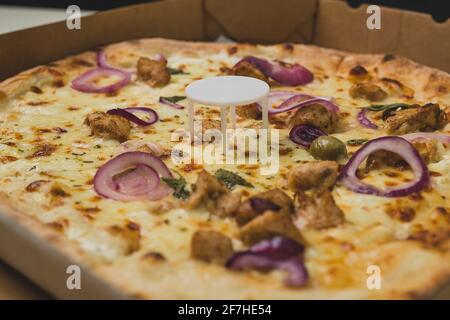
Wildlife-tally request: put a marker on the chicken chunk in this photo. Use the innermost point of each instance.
(209, 192)
(108, 126)
(153, 72)
(211, 246)
(267, 226)
(317, 175)
(277, 200)
(429, 117)
(368, 91)
(249, 111)
(316, 115)
(319, 211)
(246, 69)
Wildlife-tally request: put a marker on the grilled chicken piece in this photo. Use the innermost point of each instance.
(153, 72)
(279, 202)
(267, 226)
(316, 115)
(108, 126)
(427, 148)
(209, 192)
(429, 117)
(320, 211)
(249, 111)
(317, 176)
(246, 69)
(211, 246)
(368, 91)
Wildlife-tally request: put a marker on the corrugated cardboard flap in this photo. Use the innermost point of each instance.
(260, 21)
(406, 33)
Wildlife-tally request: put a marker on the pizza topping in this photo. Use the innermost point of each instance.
(305, 134)
(231, 179)
(86, 82)
(395, 145)
(153, 72)
(282, 72)
(211, 246)
(302, 101)
(328, 148)
(154, 148)
(247, 69)
(128, 113)
(317, 175)
(268, 225)
(429, 117)
(277, 253)
(172, 101)
(317, 115)
(108, 126)
(427, 148)
(364, 121)
(132, 176)
(178, 186)
(367, 91)
(319, 210)
(272, 200)
(249, 111)
(359, 73)
(209, 192)
(442, 137)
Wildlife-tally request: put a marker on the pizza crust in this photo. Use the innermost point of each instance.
(127, 273)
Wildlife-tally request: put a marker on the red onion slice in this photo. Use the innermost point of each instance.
(123, 188)
(284, 73)
(299, 101)
(128, 113)
(442, 137)
(393, 144)
(84, 82)
(261, 205)
(278, 253)
(170, 104)
(305, 134)
(278, 248)
(137, 182)
(363, 120)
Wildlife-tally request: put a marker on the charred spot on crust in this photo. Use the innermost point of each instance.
(36, 90)
(154, 256)
(6, 159)
(405, 214)
(288, 47)
(77, 62)
(358, 71)
(388, 57)
(58, 83)
(232, 50)
(58, 191)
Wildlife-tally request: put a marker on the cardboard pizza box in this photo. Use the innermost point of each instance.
(327, 23)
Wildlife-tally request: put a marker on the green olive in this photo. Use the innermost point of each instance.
(327, 148)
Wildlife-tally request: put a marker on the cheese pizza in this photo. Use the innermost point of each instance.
(358, 208)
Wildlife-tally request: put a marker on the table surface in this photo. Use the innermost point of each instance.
(12, 284)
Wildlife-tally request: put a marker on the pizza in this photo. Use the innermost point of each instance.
(358, 208)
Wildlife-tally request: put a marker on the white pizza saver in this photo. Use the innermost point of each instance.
(227, 92)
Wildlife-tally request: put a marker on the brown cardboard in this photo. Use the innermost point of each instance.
(409, 34)
(328, 23)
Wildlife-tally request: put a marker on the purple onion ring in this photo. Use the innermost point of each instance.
(84, 82)
(393, 144)
(170, 104)
(364, 121)
(128, 113)
(114, 179)
(305, 134)
(283, 73)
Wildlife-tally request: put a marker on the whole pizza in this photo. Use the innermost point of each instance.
(359, 206)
